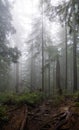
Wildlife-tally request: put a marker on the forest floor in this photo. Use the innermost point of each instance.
(49, 115)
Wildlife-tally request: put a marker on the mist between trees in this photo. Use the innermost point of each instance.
(49, 61)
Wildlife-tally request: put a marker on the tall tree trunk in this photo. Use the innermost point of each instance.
(74, 52)
(53, 76)
(42, 52)
(58, 77)
(17, 77)
(49, 75)
(32, 67)
(66, 57)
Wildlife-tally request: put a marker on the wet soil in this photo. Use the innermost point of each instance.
(16, 118)
(46, 116)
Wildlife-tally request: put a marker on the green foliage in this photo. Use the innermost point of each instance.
(76, 93)
(3, 97)
(27, 98)
(57, 100)
(64, 10)
(3, 114)
(77, 104)
(14, 54)
(2, 111)
(31, 98)
(7, 98)
(7, 54)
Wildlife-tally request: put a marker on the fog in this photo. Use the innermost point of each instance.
(36, 34)
(39, 64)
(23, 15)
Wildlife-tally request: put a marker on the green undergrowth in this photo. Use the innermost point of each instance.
(15, 99)
(57, 100)
(74, 96)
(3, 115)
(76, 104)
(34, 98)
(10, 100)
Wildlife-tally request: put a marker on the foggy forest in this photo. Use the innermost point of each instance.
(39, 65)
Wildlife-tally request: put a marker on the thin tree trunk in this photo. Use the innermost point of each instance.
(53, 77)
(17, 77)
(58, 77)
(31, 74)
(49, 75)
(42, 52)
(74, 52)
(66, 57)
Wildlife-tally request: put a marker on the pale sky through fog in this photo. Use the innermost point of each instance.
(23, 12)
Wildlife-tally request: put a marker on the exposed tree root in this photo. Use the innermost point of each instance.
(44, 118)
(17, 119)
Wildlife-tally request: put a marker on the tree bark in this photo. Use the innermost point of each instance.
(49, 75)
(58, 77)
(42, 52)
(17, 78)
(66, 56)
(74, 52)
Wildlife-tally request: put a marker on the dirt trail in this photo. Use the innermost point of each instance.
(45, 117)
(48, 117)
(17, 118)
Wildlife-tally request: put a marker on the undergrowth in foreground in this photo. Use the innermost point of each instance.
(3, 115)
(32, 98)
(15, 99)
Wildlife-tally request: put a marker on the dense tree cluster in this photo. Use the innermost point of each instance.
(7, 54)
(58, 68)
(52, 66)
